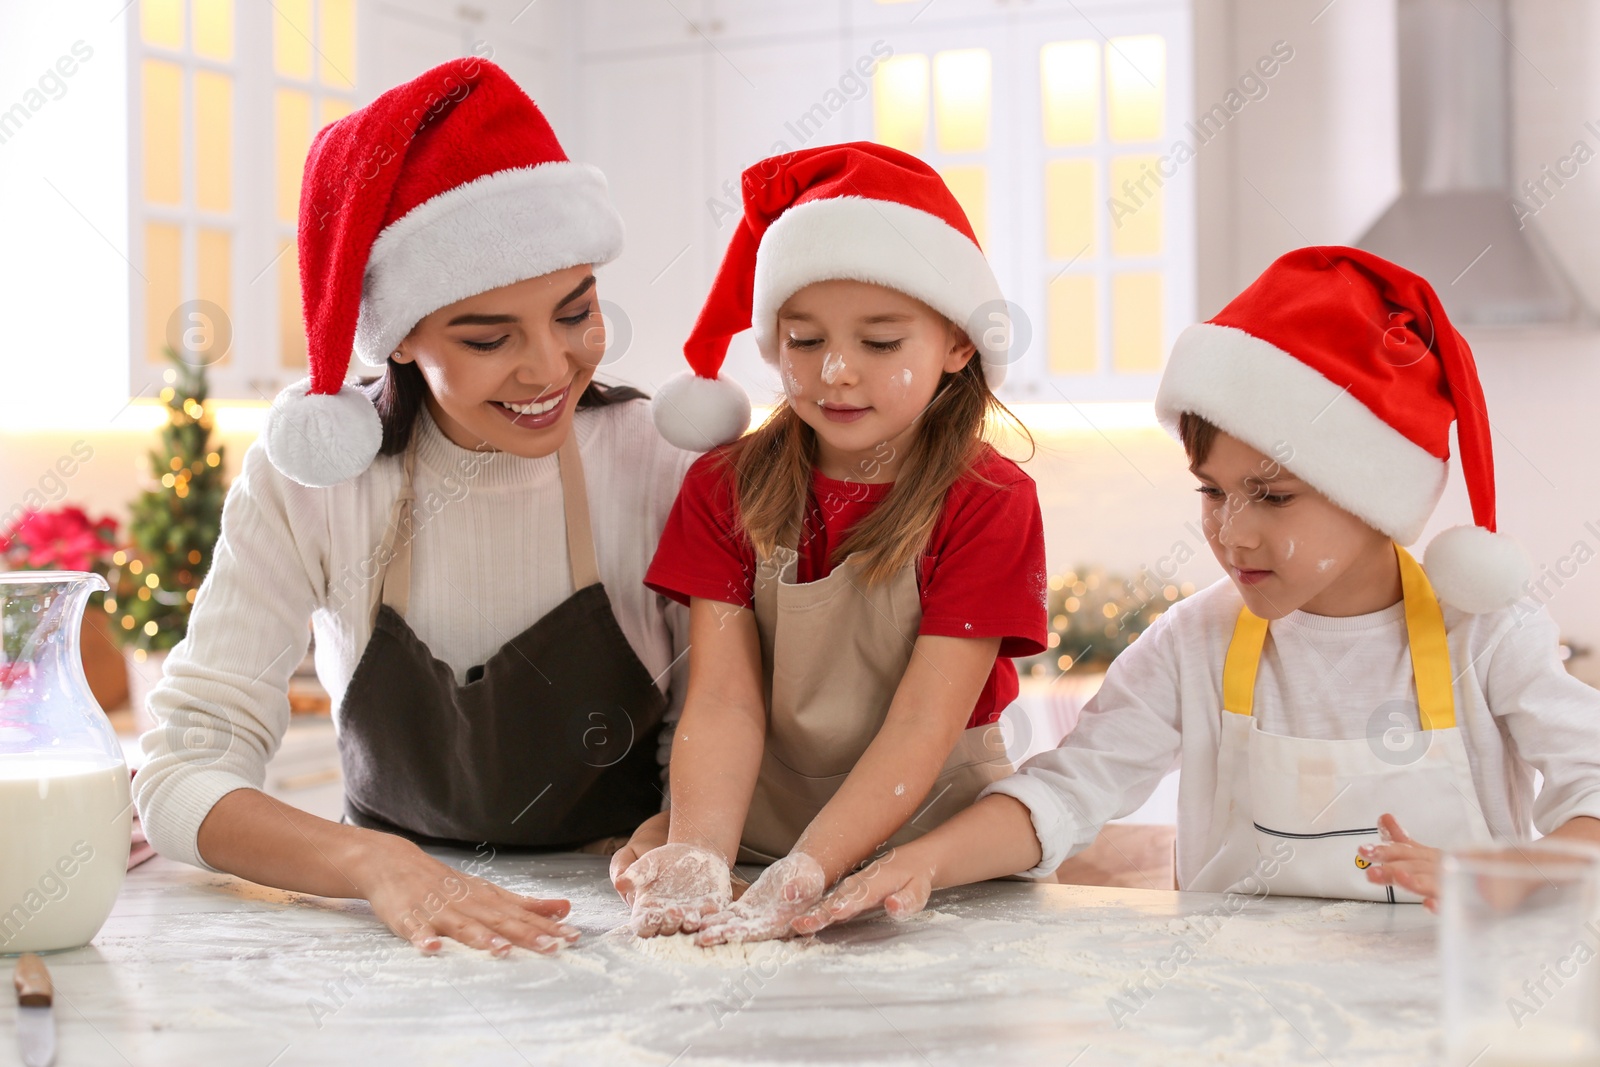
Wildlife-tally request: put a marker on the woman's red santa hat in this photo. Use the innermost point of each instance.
(1344, 367)
(442, 188)
(858, 212)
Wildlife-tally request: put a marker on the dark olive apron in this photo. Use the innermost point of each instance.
(550, 744)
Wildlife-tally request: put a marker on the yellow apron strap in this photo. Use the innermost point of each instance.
(1430, 650)
(1244, 658)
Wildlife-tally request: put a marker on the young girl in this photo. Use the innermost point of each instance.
(1337, 725)
(451, 533)
(858, 569)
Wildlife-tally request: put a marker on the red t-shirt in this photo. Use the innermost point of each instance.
(981, 575)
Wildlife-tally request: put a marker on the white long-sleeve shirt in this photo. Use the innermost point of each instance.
(489, 558)
(1518, 710)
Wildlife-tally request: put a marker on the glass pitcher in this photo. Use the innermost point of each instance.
(65, 807)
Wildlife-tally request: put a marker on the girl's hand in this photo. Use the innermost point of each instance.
(785, 891)
(1404, 862)
(652, 833)
(675, 887)
(423, 900)
(897, 881)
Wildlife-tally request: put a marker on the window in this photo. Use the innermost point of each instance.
(313, 67)
(226, 99)
(185, 194)
(1065, 129)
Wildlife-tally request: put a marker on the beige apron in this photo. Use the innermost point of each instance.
(1290, 812)
(833, 653)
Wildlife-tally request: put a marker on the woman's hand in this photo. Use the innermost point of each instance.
(1403, 862)
(651, 834)
(899, 881)
(422, 900)
(785, 891)
(675, 888)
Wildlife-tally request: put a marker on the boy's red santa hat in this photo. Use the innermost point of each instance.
(1344, 367)
(442, 188)
(859, 212)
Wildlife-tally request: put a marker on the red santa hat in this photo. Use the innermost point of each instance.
(1344, 366)
(442, 188)
(859, 211)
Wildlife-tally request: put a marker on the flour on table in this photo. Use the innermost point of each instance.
(680, 950)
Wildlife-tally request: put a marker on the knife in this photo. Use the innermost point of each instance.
(36, 1026)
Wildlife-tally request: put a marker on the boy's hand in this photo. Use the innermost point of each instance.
(675, 888)
(1403, 862)
(785, 890)
(898, 881)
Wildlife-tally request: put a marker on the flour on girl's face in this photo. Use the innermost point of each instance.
(832, 367)
(1324, 564)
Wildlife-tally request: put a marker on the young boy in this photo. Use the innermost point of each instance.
(1335, 723)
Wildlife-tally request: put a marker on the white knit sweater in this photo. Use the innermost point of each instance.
(489, 559)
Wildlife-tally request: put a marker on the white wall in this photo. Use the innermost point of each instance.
(63, 187)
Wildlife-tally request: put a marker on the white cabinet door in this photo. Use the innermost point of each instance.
(748, 21)
(619, 25)
(644, 125)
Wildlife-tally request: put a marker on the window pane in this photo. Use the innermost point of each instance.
(1136, 323)
(900, 103)
(291, 38)
(215, 276)
(1069, 208)
(291, 327)
(970, 185)
(163, 125)
(213, 140)
(1135, 206)
(331, 109)
(1069, 74)
(161, 23)
(961, 99)
(1074, 344)
(294, 137)
(337, 43)
(1136, 86)
(163, 270)
(213, 28)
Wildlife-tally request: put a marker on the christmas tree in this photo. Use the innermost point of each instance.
(173, 528)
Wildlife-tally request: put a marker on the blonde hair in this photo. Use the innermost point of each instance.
(773, 464)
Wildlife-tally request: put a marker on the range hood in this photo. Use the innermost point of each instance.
(1453, 222)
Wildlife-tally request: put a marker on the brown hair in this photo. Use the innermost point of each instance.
(773, 464)
(1197, 436)
(399, 393)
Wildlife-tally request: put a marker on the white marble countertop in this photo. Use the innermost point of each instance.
(198, 968)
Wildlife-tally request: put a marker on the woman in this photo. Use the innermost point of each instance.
(446, 530)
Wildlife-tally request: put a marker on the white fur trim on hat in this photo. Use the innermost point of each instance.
(1282, 407)
(889, 244)
(320, 440)
(499, 229)
(697, 414)
(1475, 570)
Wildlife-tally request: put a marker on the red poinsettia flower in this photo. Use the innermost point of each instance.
(63, 539)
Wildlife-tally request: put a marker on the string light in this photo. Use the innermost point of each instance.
(150, 628)
(135, 567)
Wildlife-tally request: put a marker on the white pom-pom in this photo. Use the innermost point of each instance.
(1475, 570)
(697, 414)
(322, 440)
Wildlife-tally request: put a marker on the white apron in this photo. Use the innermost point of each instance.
(1290, 812)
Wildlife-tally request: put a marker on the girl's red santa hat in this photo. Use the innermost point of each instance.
(442, 188)
(1343, 367)
(859, 212)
